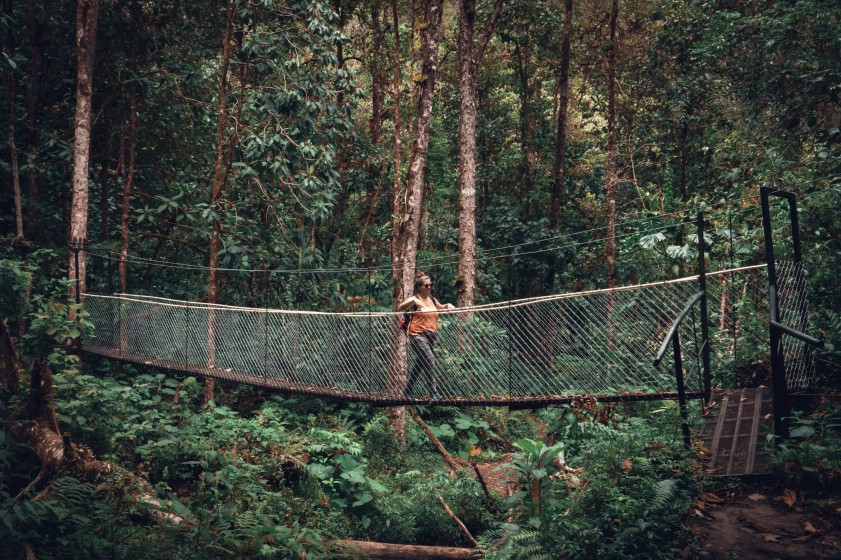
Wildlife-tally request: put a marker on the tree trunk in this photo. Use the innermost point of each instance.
(410, 223)
(559, 169)
(104, 190)
(7, 40)
(86, 17)
(467, 156)
(13, 154)
(399, 353)
(30, 103)
(379, 86)
(388, 551)
(684, 156)
(610, 165)
(610, 171)
(468, 65)
(397, 200)
(128, 182)
(10, 372)
(219, 176)
(410, 212)
(529, 85)
(378, 75)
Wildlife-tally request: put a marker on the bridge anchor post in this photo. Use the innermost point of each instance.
(681, 391)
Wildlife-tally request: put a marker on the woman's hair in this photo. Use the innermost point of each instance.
(420, 279)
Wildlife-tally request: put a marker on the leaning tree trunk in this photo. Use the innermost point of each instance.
(219, 176)
(86, 16)
(409, 227)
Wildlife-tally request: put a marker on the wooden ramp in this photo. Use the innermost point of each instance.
(735, 431)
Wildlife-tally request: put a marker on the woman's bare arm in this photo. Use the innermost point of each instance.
(411, 303)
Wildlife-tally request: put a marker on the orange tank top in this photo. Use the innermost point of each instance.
(424, 320)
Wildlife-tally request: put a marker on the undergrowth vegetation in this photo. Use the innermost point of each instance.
(257, 475)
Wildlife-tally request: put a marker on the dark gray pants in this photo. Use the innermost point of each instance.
(424, 349)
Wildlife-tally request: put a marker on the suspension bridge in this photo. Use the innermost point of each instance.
(596, 344)
(604, 345)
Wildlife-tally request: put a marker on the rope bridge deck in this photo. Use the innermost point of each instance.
(525, 353)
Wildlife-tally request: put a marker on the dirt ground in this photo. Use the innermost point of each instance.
(756, 519)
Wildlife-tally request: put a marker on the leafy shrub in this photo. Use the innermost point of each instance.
(811, 457)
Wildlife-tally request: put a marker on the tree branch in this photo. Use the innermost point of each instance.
(487, 33)
(457, 520)
(453, 463)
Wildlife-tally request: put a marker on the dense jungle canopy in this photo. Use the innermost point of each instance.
(312, 155)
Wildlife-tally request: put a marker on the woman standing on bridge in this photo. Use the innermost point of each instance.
(422, 330)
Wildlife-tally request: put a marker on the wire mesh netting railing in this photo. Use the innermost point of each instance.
(793, 311)
(599, 344)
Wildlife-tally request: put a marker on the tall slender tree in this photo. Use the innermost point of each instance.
(559, 166)
(128, 180)
(611, 176)
(10, 86)
(86, 21)
(219, 178)
(397, 184)
(31, 96)
(405, 259)
(468, 64)
(410, 215)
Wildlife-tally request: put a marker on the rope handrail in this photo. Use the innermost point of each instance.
(481, 307)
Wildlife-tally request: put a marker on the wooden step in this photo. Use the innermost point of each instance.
(735, 432)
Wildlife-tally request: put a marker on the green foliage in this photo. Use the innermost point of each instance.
(15, 281)
(620, 496)
(811, 457)
(714, 101)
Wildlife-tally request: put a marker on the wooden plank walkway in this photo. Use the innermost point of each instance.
(735, 431)
(288, 386)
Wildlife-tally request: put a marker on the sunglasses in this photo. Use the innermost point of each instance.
(426, 285)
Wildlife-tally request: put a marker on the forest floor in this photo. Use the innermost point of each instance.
(756, 518)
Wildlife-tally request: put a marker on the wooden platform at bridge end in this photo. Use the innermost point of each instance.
(735, 432)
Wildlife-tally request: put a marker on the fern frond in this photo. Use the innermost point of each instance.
(664, 492)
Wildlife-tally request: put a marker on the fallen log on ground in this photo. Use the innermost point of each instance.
(388, 551)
